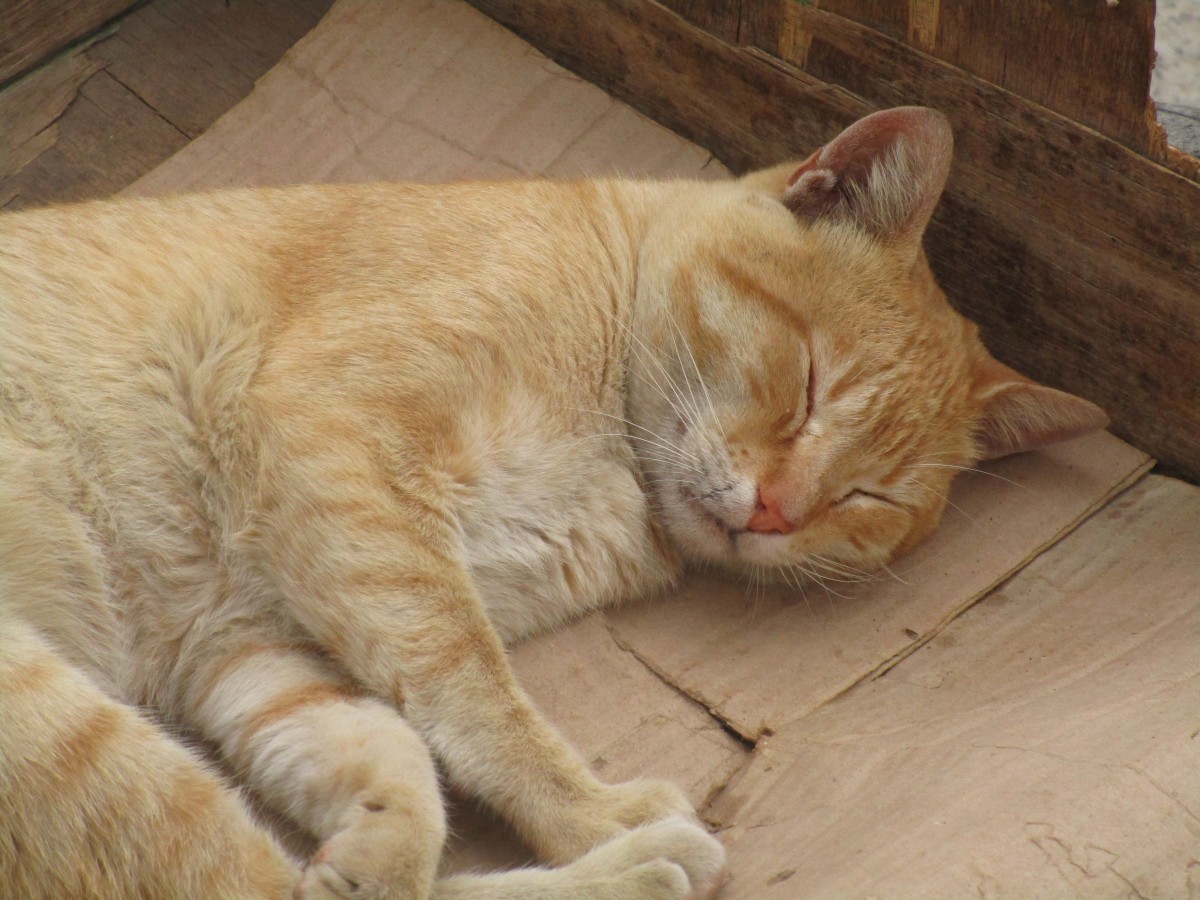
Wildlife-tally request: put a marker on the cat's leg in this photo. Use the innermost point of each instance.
(373, 570)
(97, 802)
(343, 765)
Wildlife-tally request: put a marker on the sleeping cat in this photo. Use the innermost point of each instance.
(286, 468)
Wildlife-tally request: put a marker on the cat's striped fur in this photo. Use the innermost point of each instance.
(284, 468)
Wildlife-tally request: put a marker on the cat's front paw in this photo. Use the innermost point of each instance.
(673, 859)
(386, 849)
(609, 812)
(645, 800)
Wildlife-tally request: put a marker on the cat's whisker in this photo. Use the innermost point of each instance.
(886, 568)
(976, 470)
(643, 454)
(712, 410)
(834, 575)
(648, 376)
(678, 404)
(948, 502)
(651, 356)
(800, 585)
(655, 434)
(820, 579)
(689, 482)
(758, 589)
(689, 472)
(840, 567)
(795, 581)
(629, 422)
(673, 452)
(679, 357)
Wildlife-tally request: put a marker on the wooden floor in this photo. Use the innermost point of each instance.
(1013, 715)
(97, 117)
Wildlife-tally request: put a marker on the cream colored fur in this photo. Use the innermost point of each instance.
(286, 468)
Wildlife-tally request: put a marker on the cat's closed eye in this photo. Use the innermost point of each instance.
(862, 496)
(803, 418)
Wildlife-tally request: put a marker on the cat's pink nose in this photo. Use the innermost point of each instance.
(768, 518)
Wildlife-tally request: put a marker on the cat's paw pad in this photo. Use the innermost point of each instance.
(657, 855)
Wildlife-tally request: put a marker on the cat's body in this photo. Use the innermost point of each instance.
(275, 464)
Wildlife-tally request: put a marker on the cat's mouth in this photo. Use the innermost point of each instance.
(717, 539)
(727, 533)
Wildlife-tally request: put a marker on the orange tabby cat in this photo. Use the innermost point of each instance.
(286, 467)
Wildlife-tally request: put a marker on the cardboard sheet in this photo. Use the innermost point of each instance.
(421, 91)
(761, 658)
(1044, 745)
(426, 90)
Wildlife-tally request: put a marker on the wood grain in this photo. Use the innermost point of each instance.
(1082, 58)
(1079, 257)
(1087, 60)
(717, 17)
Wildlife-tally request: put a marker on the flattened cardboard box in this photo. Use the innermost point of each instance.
(1045, 745)
(432, 91)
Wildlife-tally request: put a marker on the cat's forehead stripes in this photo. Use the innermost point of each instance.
(749, 286)
(705, 341)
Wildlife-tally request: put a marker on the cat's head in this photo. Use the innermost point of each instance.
(802, 391)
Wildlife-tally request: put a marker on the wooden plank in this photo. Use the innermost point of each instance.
(33, 30)
(1042, 746)
(1079, 257)
(1090, 61)
(885, 16)
(102, 142)
(717, 17)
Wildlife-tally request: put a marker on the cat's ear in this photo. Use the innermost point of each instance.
(1019, 414)
(885, 173)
